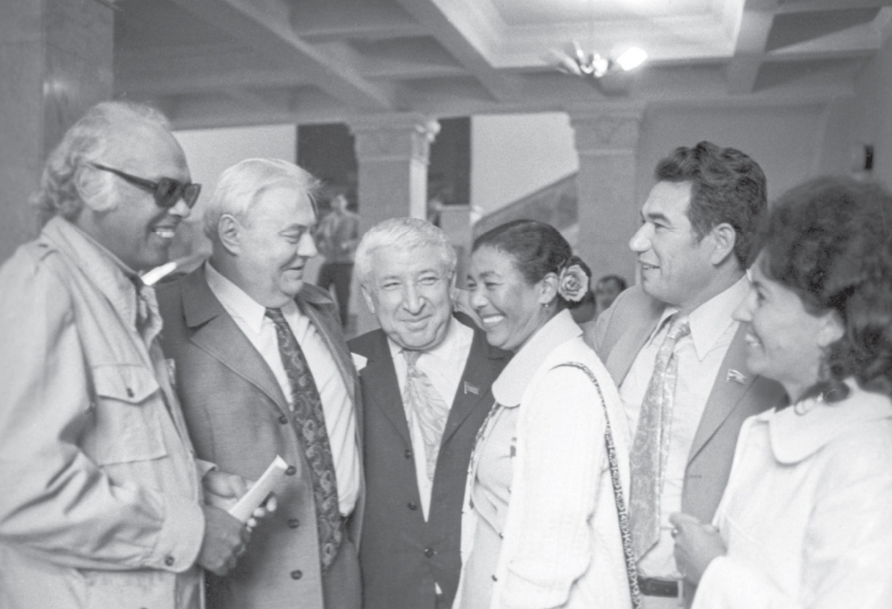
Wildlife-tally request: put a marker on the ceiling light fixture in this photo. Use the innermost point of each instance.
(585, 64)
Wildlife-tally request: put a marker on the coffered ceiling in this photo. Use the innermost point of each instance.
(240, 62)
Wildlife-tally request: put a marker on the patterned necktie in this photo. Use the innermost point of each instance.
(314, 438)
(650, 447)
(427, 407)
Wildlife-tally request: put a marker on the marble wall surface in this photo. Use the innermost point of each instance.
(56, 59)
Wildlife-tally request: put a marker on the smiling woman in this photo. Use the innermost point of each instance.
(541, 527)
(804, 521)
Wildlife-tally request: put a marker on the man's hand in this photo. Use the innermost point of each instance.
(696, 545)
(225, 539)
(223, 490)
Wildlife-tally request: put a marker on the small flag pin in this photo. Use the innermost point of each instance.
(469, 388)
(737, 377)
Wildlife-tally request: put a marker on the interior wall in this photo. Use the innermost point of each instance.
(513, 155)
(863, 119)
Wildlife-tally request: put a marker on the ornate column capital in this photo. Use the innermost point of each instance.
(394, 137)
(606, 131)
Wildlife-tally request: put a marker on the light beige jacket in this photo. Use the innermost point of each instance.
(99, 489)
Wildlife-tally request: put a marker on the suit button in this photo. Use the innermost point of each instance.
(297, 574)
(412, 506)
(429, 552)
(293, 523)
(408, 453)
(169, 561)
(283, 420)
(291, 470)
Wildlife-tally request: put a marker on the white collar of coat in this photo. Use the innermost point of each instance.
(795, 436)
(513, 381)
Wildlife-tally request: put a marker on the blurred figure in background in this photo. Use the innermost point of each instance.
(606, 291)
(804, 521)
(336, 239)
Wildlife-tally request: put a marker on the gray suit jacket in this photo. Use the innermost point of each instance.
(619, 334)
(401, 554)
(239, 419)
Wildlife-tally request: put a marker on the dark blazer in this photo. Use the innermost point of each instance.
(401, 554)
(239, 419)
(619, 334)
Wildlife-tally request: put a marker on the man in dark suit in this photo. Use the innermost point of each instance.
(425, 380)
(262, 370)
(693, 247)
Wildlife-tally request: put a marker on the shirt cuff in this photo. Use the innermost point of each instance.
(180, 537)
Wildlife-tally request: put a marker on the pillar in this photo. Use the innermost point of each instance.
(392, 152)
(55, 62)
(607, 141)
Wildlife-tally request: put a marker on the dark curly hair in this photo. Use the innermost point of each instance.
(830, 240)
(536, 247)
(726, 186)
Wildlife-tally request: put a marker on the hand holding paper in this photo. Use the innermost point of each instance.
(259, 491)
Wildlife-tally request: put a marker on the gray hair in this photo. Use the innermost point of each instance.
(403, 234)
(241, 186)
(85, 142)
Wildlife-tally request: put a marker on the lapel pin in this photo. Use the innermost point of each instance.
(737, 377)
(469, 388)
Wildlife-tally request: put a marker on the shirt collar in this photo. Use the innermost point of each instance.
(114, 278)
(795, 436)
(513, 381)
(235, 299)
(710, 320)
(442, 352)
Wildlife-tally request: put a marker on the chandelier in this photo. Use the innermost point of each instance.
(595, 66)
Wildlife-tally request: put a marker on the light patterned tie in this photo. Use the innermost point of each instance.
(314, 438)
(427, 407)
(650, 447)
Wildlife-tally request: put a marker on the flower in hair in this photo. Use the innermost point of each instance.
(573, 283)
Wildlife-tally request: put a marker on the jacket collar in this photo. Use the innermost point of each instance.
(799, 431)
(511, 384)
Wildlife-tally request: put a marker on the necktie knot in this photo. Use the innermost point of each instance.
(276, 316)
(678, 329)
(411, 356)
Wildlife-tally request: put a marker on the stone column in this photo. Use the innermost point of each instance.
(392, 152)
(55, 62)
(607, 141)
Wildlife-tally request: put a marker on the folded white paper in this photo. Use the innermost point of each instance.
(258, 493)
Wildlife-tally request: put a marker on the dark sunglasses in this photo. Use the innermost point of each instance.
(166, 191)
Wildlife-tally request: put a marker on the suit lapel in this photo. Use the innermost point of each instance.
(478, 374)
(626, 349)
(731, 384)
(383, 391)
(213, 330)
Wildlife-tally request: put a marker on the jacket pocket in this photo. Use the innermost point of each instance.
(125, 426)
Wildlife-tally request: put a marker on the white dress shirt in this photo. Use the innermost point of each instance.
(337, 404)
(699, 357)
(444, 366)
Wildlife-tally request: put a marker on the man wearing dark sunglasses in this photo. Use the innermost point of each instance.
(102, 494)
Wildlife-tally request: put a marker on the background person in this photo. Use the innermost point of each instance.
(336, 238)
(804, 521)
(426, 380)
(540, 526)
(262, 369)
(102, 496)
(606, 291)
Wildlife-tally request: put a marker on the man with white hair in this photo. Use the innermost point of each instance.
(102, 501)
(426, 390)
(262, 370)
